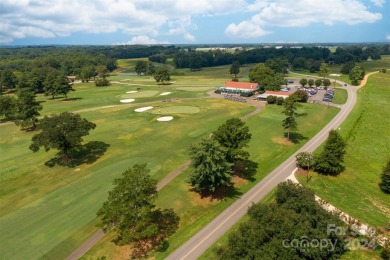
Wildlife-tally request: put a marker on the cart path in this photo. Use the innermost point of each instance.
(98, 235)
(215, 229)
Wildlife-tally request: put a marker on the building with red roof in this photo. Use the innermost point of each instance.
(239, 87)
(274, 93)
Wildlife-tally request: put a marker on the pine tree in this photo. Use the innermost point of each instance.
(385, 184)
(331, 158)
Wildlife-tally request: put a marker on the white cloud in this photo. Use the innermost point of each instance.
(142, 39)
(51, 18)
(378, 3)
(300, 13)
(388, 37)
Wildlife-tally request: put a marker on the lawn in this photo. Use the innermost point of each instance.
(44, 209)
(366, 130)
(267, 148)
(340, 96)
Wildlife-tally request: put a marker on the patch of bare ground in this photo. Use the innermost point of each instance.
(281, 140)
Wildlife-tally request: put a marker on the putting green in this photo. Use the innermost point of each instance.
(140, 94)
(195, 88)
(176, 110)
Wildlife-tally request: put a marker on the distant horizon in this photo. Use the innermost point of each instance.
(198, 44)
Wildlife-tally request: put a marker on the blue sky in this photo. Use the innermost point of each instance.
(192, 21)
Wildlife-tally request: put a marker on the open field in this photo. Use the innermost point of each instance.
(340, 96)
(366, 130)
(49, 211)
(268, 148)
(35, 198)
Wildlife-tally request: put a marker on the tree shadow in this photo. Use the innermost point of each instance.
(296, 138)
(71, 99)
(220, 193)
(87, 153)
(245, 169)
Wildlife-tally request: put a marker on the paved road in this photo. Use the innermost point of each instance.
(92, 240)
(206, 237)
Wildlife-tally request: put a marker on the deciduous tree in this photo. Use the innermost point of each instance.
(303, 82)
(62, 132)
(141, 67)
(162, 75)
(305, 161)
(324, 70)
(356, 75)
(233, 135)
(130, 211)
(27, 109)
(8, 107)
(235, 68)
(310, 82)
(318, 82)
(330, 160)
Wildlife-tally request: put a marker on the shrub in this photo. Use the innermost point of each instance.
(235, 79)
(271, 99)
(384, 70)
(385, 178)
(218, 91)
(246, 94)
(300, 96)
(279, 101)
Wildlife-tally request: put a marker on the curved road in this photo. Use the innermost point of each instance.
(206, 237)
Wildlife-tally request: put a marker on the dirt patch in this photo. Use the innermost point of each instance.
(238, 182)
(301, 172)
(202, 201)
(379, 205)
(281, 140)
(123, 252)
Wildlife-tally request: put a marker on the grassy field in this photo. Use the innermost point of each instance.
(366, 130)
(42, 206)
(48, 211)
(340, 96)
(268, 148)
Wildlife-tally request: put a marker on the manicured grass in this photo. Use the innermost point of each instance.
(366, 130)
(341, 96)
(43, 208)
(268, 148)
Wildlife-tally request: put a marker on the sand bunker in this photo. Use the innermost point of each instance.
(129, 100)
(131, 92)
(165, 118)
(142, 109)
(165, 93)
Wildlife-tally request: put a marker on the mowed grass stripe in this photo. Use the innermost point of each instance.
(267, 147)
(39, 217)
(356, 190)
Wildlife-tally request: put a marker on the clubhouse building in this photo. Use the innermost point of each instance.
(233, 87)
(273, 93)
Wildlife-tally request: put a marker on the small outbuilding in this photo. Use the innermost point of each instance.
(273, 93)
(71, 79)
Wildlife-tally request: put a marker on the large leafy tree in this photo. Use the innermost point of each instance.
(235, 68)
(210, 167)
(8, 107)
(356, 75)
(305, 161)
(291, 106)
(279, 65)
(162, 75)
(330, 160)
(8, 79)
(324, 70)
(56, 84)
(303, 82)
(318, 82)
(385, 178)
(270, 229)
(233, 135)
(141, 67)
(62, 132)
(259, 72)
(27, 109)
(131, 213)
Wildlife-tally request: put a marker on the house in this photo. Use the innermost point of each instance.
(273, 93)
(71, 79)
(233, 87)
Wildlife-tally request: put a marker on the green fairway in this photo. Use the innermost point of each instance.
(268, 148)
(176, 110)
(366, 130)
(340, 96)
(43, 207)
